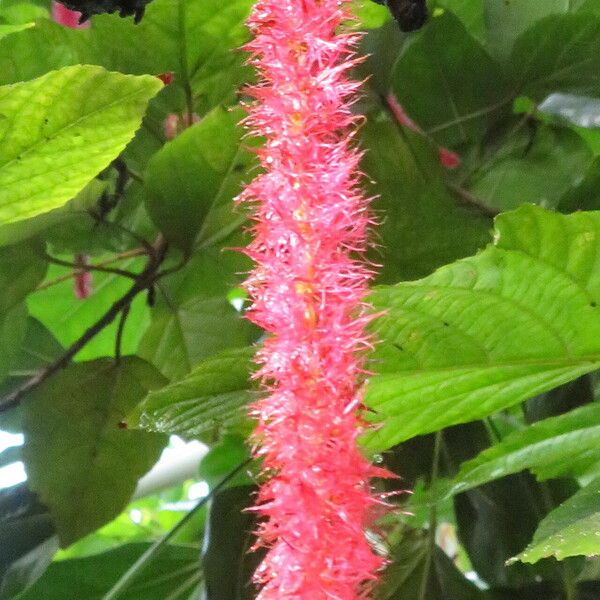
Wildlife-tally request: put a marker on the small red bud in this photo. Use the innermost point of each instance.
(83, 278)
(167, 77)
(448, 159)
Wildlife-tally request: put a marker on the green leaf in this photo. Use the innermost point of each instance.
(454, 85)
(550, 448)
(80, 462)
(586, 6)
(13, 325)
(37, 50)
(507, 20)
(8, 29)
(559, 53)
(495, 521)
(470, 12)
(227, 561)
(211, 399)
(195, 40)
(21, 271)
(572, 529)
(60, 130)
(193, 318)
(25, 526)
(27, 569)
(422, 227)
(405, 576)
(37, 350)
(173, 575)
(222, 459)
(369, 14)
(192, 173)
(532, 167)
(479, 336)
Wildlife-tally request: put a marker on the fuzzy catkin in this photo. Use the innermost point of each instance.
(307, 290)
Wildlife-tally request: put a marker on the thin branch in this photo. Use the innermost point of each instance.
(121, 328)
(77, 267)
(100, 220)
(433, 518)
(469, 117)
(145, 279)
(469, 199)
(109, 261)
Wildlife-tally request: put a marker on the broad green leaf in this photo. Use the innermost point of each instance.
(369, 14)
(381, 48)
(79, 460)
(68, 217)
(13, 325)
(470, 12)
(559, 53)
(586, 6)
(227, 561)
(25, 526)
(37, 350)
(27, 569)
(507, 20)
(195, 40)
(490, 331)
(225, 456)
(193, 318)
(405, 576)
(422, 228)
(15, 12)
(6, 29)
(21, 271)
(448, 84)
(537, 166)
(550, 448)
(212, 399)
(60, 130)
(173, 575)
(586, 194)
(495, 521)
(192, 173)
(572, 529)
(35, 51)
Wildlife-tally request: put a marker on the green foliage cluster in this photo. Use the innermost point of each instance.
(484, 378)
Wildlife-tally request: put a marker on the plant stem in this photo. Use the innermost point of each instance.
(86, 267)
(98, 266)
(432, 517)
(569, 582)
(566, 574)
(125, 581)
(469, 199)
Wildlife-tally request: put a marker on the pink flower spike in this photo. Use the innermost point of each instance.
(308, 293)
